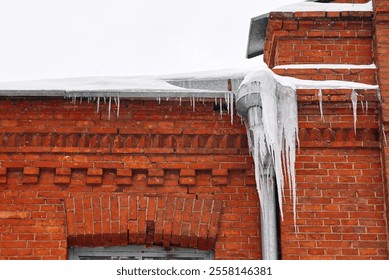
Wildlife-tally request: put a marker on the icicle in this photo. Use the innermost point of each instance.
(366, 106)
(118, 107)
(203, 100)
(241, 119)
(362, 106)
(109, 108)
(180, 100)
(231, 107)
(105, 100)
(194, 103)
(221, 107)
(354, 100)
(159, 99)
(320, 96)
(98, 104)
(216, 101)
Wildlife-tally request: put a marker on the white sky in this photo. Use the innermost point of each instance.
(69, 38)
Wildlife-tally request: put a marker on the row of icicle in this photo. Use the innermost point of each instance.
(354, 102)
(228, 100)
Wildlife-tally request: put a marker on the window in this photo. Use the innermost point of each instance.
(137, 252)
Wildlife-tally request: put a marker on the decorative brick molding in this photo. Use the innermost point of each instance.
(117, 143)
(165, 220)
(94, 176)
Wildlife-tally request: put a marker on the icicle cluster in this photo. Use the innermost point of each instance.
(273, 129)
(97, 100)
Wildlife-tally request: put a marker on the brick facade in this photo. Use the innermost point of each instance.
(70, 177)
(161, 174)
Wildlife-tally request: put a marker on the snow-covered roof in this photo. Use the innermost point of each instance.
(200, 84)
(326, 7)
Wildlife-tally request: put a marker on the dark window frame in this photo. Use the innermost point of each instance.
(137, 252)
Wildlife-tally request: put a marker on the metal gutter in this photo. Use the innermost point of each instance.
(114, 93)
(249, 106)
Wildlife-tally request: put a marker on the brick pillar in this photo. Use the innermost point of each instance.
(381, 52)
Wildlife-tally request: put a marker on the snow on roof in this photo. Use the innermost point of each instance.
(308, 84)
(212, 75)
(135, 86)
(91, 83)
(326, 7)
(200, 84)
(329, 84)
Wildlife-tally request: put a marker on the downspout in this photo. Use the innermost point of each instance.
(249, 106)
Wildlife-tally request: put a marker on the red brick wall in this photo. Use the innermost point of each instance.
(381, 52)
(340, 197)
(341, 201)
(61, 163)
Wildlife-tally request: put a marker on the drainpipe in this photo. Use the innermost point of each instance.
(249, 106)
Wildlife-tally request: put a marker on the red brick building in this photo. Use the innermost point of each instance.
(163, 173)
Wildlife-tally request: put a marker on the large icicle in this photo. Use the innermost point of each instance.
(271, 117)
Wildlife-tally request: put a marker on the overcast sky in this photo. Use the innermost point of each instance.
(69, 38)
